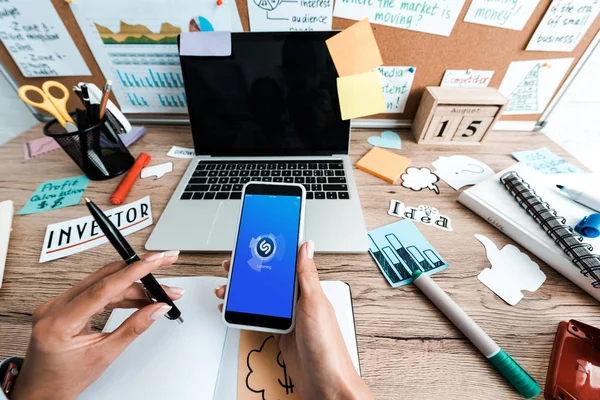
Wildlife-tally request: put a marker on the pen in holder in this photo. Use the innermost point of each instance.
(97, 150)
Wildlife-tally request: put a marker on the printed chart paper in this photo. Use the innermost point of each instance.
(511, 14)
(38, 41)
(399, 249)
(564, 24)
(529, 85)
(56, 194)
(135, 45)
(436, 17)
(74, 236)
(290, 15)
(466, 78)
(396, 83)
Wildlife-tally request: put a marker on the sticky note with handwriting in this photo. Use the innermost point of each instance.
(396, 83)
(56, 194)
(360, 95)
(512, 14)
(355, 50)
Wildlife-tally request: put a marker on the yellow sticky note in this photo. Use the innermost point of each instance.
(360, 95)
(355, 50)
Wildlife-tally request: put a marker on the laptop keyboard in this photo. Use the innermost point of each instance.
(222, 180)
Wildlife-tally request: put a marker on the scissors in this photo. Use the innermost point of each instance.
(57, 107)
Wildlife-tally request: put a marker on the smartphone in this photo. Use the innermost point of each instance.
(263, 284)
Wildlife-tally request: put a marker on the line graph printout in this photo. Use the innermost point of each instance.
(135, 45)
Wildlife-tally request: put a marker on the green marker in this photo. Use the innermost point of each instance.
(509, 368)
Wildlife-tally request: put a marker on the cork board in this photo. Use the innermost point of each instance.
(469, 46)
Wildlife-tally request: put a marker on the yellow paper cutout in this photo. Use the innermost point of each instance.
(360, 95)
(355, 50)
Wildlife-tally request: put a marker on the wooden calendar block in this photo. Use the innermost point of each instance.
(442, 128)
(449, 115)
(472, 129)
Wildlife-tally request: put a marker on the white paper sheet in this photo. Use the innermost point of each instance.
(396, 83)
(458, 171)
(529, 85)
(38, 41)
(466, 78)
(512, 14)
(169, 361)
(437, 17)
(158, 171)
(134, 43)
(290, 15)
(564, 24)
(76, 235)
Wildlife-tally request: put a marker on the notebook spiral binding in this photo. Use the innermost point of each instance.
(569, 240)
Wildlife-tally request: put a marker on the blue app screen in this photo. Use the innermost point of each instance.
(263, 275)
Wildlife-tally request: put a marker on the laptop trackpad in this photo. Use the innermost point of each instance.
(222, 232)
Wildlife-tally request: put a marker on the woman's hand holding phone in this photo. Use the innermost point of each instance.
(315, 352)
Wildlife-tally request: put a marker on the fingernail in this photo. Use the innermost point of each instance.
(177, 290)
(158, 314)
(217, 288)
(154, 257)
(223, 263)
(172, 253)
(310, 249)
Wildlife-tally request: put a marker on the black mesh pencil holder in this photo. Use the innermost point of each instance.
(98, 150)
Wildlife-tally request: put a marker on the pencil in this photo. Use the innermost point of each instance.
(105, 94)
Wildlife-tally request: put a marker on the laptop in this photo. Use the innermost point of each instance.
(267, 113)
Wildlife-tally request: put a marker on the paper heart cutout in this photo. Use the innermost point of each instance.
(387, 139)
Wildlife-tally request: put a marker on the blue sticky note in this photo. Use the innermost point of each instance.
(399, 249)
(56, 194)
(546, 162)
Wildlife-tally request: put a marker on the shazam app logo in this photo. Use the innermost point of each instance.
(263, 249)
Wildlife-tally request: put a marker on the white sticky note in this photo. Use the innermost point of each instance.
(466, 78)
(76, 235)
(157, 170)
(512, 14)
(458, 171)
(181, 152)
(285, 15)
(425, 16)
(205, 44)
(396, 83)
(529, 85)
(564, 24)
(38, 41)
(512, 271)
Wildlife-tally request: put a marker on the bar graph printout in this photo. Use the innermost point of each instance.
(136, 46)
(399, 249)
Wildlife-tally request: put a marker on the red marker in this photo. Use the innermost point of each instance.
(127, 182)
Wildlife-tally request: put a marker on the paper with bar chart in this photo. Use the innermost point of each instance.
(135, 45)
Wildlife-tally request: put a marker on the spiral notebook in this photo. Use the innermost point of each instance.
(541, 220)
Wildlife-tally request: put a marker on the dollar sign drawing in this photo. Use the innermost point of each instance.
(43, 204)
(287, 381)
(57, 202)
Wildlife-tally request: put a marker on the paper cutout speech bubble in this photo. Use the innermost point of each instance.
(157, 170)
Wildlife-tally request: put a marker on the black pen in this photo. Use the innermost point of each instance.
(129, 255)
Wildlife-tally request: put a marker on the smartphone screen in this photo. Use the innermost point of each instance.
(263, 277)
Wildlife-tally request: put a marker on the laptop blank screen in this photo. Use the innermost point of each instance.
(275, 95)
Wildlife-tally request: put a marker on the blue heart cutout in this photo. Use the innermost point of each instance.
(387, 139)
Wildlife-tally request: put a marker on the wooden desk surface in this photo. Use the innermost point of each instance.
(406, 345)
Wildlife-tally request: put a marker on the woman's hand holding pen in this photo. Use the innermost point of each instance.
(64, 355)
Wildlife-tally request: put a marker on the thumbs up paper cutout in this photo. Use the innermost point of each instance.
(512, 271)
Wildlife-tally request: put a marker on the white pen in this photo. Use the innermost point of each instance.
(6, 216)
(588, 199)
